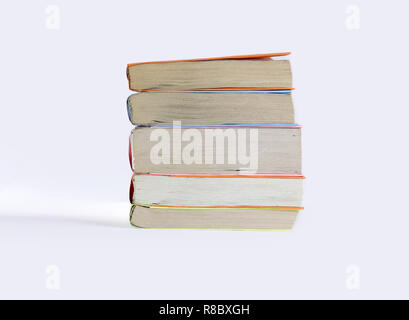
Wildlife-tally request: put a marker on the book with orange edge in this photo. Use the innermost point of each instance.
(235, 57)
(215, 176)
(261, 56)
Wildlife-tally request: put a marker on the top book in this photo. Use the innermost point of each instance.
(251, 72)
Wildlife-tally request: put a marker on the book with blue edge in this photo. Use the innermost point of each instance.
(215, 144)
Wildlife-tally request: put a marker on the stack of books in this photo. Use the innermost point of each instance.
(215, 145)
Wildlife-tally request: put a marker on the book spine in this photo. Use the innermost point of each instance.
(129, 109)
(128, 77)
(131, 191)
(130, 153)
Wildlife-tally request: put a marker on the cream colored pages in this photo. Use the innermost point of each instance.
(189, 191)
(274, 151)
(210, 74)
(210, 108)
(213, 218)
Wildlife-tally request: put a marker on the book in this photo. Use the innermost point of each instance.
(213, 218)
(215, 145)
(257, 148)
(256, 71)
(210, 107)
(204, 191)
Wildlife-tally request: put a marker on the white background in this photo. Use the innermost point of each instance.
(64, 171)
